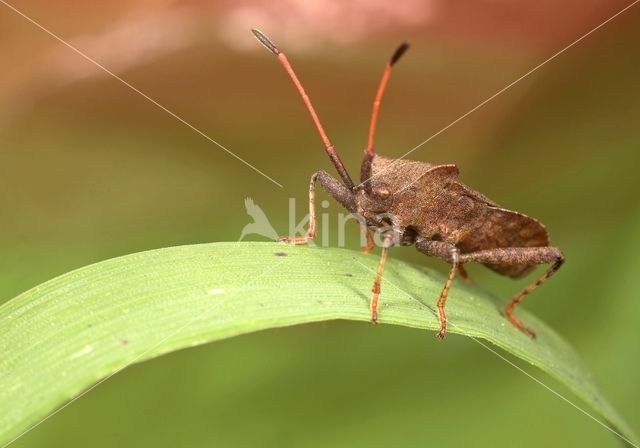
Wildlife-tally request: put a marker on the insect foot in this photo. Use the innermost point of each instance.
(295, 240)
(518, 323)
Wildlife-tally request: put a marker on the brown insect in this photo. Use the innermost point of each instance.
(426, 205)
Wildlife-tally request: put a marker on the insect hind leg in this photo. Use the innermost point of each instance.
(521, 256)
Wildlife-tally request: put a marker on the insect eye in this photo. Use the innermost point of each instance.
(382, 192)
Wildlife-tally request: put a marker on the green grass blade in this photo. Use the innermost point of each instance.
(60, 338)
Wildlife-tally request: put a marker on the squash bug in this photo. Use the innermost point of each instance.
(431, 209)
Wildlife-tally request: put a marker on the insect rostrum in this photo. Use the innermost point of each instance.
(431, 209)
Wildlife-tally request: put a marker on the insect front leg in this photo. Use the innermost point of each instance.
(338, 191)
(520, 256)
(449, 253)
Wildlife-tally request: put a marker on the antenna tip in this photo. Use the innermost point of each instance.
(399, 52)
(264, 40)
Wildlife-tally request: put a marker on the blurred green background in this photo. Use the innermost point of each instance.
(90, 170)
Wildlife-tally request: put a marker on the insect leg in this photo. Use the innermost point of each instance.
(520, 255)
(339, 192)
(386, 244)
(464, 274)
(442, 315)
(371, 244)
(449, 253)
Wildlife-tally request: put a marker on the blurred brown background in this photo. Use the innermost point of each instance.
(90, 169)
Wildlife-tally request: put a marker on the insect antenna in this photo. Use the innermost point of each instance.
(329, 148)
(365, 172)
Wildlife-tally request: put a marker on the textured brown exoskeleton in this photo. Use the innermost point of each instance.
(426, 205)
